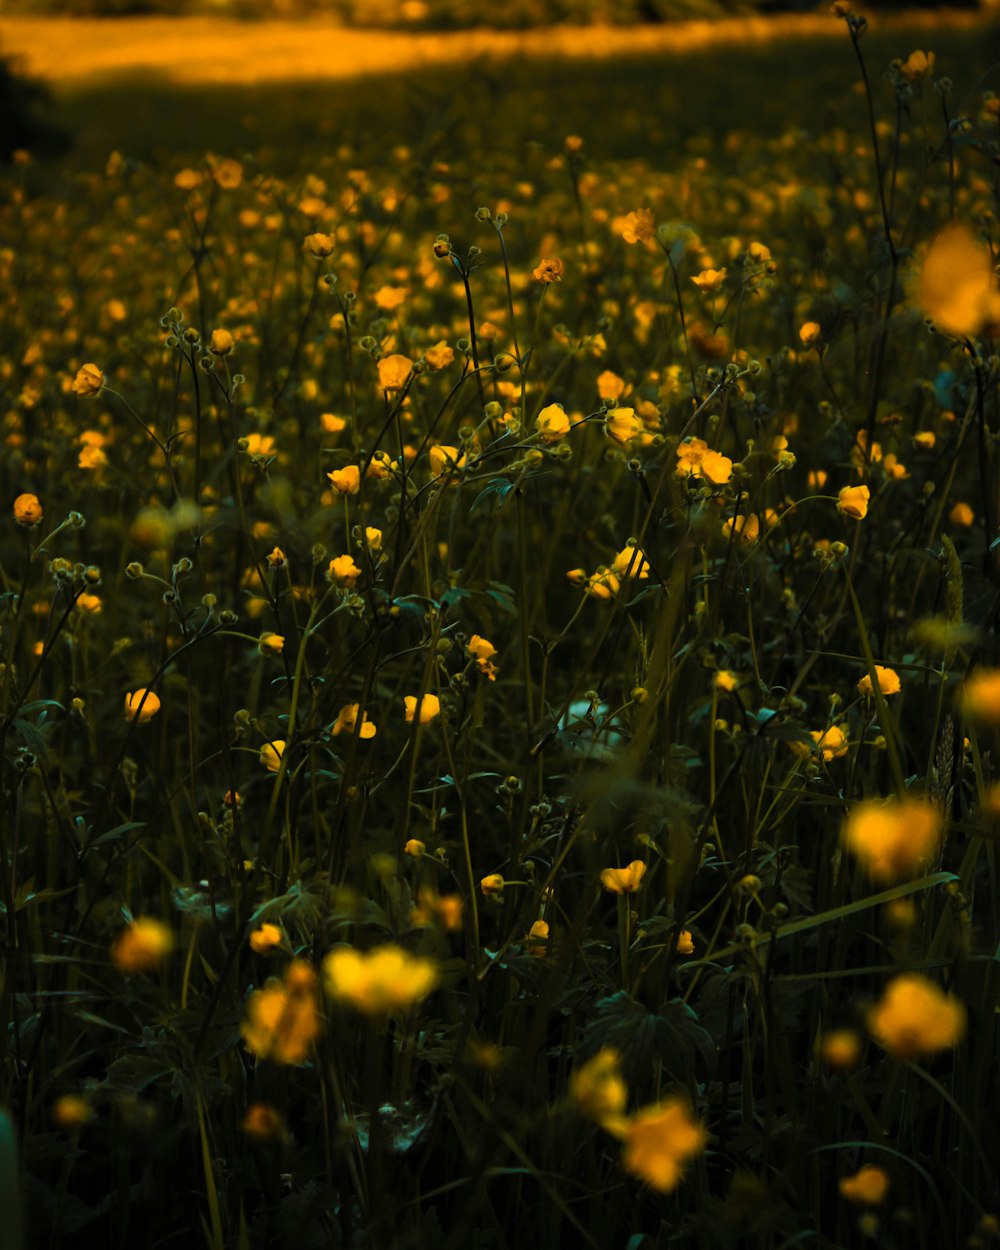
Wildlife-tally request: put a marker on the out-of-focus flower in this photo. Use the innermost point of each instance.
(852, 501)
(430, 706)
(440, 909)
(896, 839)
(142, 946)
(439, 356)
(319, 245)
(623, 880)
(709, 280)
(659, 1141)
(414, 848)
(638, 227)
(141, 705)
(347, 719)
(283, 1018)
(725, 680)
(378, 982)
(71, 1111)
(548, 271)
(27, 510)
(914, 1018)
(962, 515)
(262, 1121)
(958, 288)
(221, 343)
(444, 459)
(917, 66)
(598, 1089)
(840, 1048)
(747, 528)
(394, 372)
(265, 938)
(188, 179)
(866, 1188)
(810, 333)
(276, 559)
(88, 381)
(980, 696)
(228, 174)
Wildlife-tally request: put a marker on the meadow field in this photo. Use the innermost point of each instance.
(499, 669)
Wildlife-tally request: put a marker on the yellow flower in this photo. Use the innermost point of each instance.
(866, 1188)
(894, 839)
(332, 424)
(853, 502)
(917, 66)
(888, 681)
(88, 381)
(718, 469)
(980, 696)
(382, 466)
(342, 571)
(414, 848)
(347, 719)
(271, 644)
(689, 456)
(433, 908)
(622, 426)
(482, 651)
(810, 333)
(265, 938)
(346, 481)
(962, 515)
(610, 385)
(537, 942)
(89, 603)
(444, 459)
(685, 942)
(141, 705)
(271, 753)
(957, 283)
(831, 742)
(623, 880)
(260, 445)
(262, 1121)
(394, 372)
(552, 423)
(638, 227)
(492, 885)
(709, 280)
(598, 1088)
(914, 1017)
(188, 179)
(142, 946)
(631, 562)
(27, 510)
(221, 343)
(276, 559)
(373, 538)
(430, 706)
(548, 271)
(378, 982)
(603, 584)
(659, 1140)
(725, 680)
(747, 528)
(283, 1018)
(71, 1111)
(439, 356)
(319, 245)
(841, 1048)
(228, 174)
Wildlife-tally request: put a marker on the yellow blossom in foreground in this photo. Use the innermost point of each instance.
(380, 981)
(831, 742)
(276, 558)
(852, 501)
(725, 680)
(482, 651)
(622, 426)
(347, 719)
(27, 510)
(492, 885)
(598, 1088)
(980, 696)
(283, 1018)
(841, 1048)
(659, 1140)
(342, 571)
(549, 271)
(221, 343)
(319, 245)
(957, 283)
(718, 469)
(552, 423)
(631, 562)
(394, 372)
(430, 706)
(537, 942)
(604, 584)
(346, 481)
(689, 456)
(893, 840)
(866, 1188)
(709, 280)
(439, 356)
(810, 333)
(271, 644)
(271, 753)
(88, 381)
(265, 938)
(141, 705)
(747, 528)
(623, 880)
(685, 942)
(917, 66)
(914, 1018)
(142, 946)
(888, 681)
(414, 848)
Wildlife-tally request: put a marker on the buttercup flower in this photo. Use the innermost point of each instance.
(492, 885)
(552, 423)
(439, 356)
(709, 280)
(414, 848)
(659, 1141)
(747, 528)
(347, 719)
(718, 469)
(962, 515)
(810, 333)
(394, 372)
(430, 706)
(623, 880)
(631, 562)
(725, 680)
(319, 246)
(841, 1048)
(917, 66)
(342, 571)
(482, 651)
(831, 742)
(346, 481)
(958, 288)
(265, 938)
(27, 510)
(866, 1188)
(853, 502)
(221, 343)
(638, 226)
(283, 1018)
(888, 681)
(622, 426)
(271, 753)
(88, 381)
(894, 840)
(690, 453)
(228, 174)
(599, 1090)
(537, 942)
(980, 696)
(604, 584)
(378, 982)
(685, 942)
(142, 946)
(548, 271)
(444, 459)
(914, 1018)
(141, 705)
(441, 909)
(262, 1121)
(271, 644)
